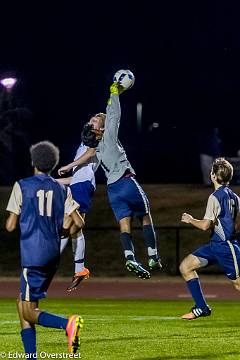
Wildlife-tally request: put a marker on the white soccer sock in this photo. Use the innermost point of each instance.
(64, 242)
(78, 246)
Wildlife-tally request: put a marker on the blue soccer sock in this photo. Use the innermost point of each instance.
(196, 292)
(52, 321)
(128, 248)
(29, 341)
(150, 241)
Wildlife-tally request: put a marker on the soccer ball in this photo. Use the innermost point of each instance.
(125, 78)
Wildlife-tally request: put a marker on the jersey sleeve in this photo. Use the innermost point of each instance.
(70, 204)
(15, 200)
(112, 121)
(213, 208)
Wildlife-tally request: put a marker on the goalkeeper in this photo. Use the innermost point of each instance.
(126, 197)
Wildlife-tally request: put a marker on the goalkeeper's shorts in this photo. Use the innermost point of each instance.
(127, 198)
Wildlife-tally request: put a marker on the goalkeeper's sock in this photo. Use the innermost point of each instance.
(128, 248)
(195, 289)
(64, 242)
(78, 246)
(150, 241)
(29, 341)
(53, 321)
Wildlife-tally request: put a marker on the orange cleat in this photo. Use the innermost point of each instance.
(77, 278)
(188, 316)
(73, 332)
(197, 312)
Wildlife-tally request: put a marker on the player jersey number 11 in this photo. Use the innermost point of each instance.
(43, 198)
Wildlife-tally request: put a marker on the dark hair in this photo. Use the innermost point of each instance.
(44, 156)
(88, 136)
(223, 171)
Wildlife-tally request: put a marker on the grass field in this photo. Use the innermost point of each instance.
(138, 330)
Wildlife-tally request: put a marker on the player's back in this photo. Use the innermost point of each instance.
(41, 219)
(228, 208)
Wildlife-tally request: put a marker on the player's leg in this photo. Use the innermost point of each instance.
(28, 332)
(188, 268)
(229, 260)
(67, 223)
(34, 285)
(126, 240)
(82, 192)
(119, 194)
(139, 204)
(150, 240)
(78, 247)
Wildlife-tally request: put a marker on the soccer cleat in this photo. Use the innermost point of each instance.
(197, 312)
(138, 269)
(73, 332)
(77, 278)
(154, 264)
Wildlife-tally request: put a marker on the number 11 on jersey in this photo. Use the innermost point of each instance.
(42, 198)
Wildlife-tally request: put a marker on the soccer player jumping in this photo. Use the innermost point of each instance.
(221, 213)
(44, 207)
(126, 197)
(82, 184)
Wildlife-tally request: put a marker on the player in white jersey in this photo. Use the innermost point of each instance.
(82, 184)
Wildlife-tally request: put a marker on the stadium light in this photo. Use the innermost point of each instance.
(8, 83)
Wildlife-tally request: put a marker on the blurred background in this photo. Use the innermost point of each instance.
(185, 57)
(181, 113)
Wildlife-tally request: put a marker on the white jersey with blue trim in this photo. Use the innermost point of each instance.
(84, 172)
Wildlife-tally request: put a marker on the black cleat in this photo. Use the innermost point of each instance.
(138, 269)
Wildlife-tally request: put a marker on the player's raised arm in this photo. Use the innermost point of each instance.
(113, 112)
(80, 161)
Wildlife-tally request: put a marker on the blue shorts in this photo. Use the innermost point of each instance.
(82, 193)
(35, 281)
(224, 253)
(127, 198)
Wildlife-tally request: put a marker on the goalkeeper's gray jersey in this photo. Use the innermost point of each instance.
(110, 152)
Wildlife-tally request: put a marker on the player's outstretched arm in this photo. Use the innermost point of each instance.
(64, 181)
(80, 161)
(203, 224)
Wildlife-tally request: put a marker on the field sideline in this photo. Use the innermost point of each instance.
(133, 329)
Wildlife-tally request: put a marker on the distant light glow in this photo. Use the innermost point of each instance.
(139, 116)
(155, 125)
(8, 83)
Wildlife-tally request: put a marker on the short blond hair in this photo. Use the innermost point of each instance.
(223, 170)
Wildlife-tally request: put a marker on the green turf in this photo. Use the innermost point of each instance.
(134, 330)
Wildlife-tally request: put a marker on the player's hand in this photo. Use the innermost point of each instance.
(63, 170)
(116, 89)
(186, 218)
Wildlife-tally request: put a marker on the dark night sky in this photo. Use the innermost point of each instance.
(185, 56)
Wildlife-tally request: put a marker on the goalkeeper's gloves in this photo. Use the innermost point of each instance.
(116, 89)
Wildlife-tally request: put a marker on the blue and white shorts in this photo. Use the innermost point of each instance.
(224, 253)
(127, 198)
(82, 193)
(35, 281)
